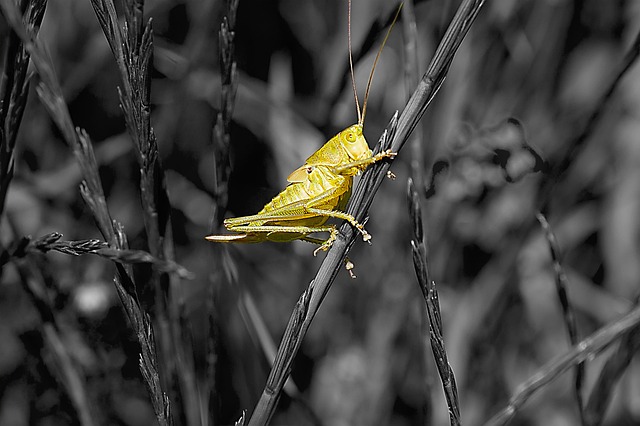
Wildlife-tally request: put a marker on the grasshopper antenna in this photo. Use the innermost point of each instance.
(373, 68)
(353, 77)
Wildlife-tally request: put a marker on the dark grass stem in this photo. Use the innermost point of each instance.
(50, 94)
(310, 300)
(610, 374)
(436, 72)
(52, 242)
(577, 143)
(221, 129)
(411, 78)
(132, 48)
(221, 139)
(430, 294)
(567, 309)
(14, 89)
(589, 347)
(394, 137)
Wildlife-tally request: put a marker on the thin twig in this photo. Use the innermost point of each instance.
(611, 372)
(359, 204)
(80, 247)
(587, 348)
(430, 294)
(577, 143)
(567, 308)
(603, 388)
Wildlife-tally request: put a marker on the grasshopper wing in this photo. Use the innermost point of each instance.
(235, 238)
(300, 174)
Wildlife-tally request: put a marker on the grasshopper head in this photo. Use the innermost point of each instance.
(354, 143)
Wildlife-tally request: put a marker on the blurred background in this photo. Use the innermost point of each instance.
(520, 90)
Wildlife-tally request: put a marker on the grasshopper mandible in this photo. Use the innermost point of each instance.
(319, 189)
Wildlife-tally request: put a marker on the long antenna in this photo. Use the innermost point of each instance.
(373, 68)
(353, 77)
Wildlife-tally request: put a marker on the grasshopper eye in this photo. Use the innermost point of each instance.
(351, 137)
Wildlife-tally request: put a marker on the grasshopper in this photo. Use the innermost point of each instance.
(319, 189)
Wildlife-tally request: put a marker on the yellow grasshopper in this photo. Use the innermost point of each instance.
(319, 189)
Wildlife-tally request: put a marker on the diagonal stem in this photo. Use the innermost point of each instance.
(361, 200)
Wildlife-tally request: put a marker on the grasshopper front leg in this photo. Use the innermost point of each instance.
(362, 164)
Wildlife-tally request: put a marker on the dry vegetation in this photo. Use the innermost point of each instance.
(123, 143)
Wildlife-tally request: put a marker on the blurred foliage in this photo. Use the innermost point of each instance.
(364, 361)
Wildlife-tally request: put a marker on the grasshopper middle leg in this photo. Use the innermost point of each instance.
(344, 216)
(325, 244)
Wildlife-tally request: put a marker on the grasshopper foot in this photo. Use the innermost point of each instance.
(348, 265)
(365, 235)
(328, 243)
(385, 154)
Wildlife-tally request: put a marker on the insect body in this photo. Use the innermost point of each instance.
(318, 190)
